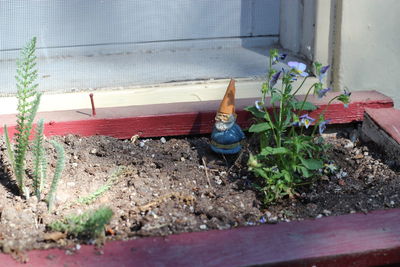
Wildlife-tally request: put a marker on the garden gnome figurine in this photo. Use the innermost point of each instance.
(226, 136)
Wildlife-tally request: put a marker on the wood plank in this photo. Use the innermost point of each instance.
(387, 119)
(382, 127)
(348, 240)
(182, 118)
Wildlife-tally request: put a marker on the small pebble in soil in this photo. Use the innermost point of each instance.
(218, 180)
(163, 140)
(273, 219)
(349, 145)
(319, 216)
(203, 227)
(327, 212)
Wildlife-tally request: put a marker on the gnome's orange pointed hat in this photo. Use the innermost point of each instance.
(227, 105)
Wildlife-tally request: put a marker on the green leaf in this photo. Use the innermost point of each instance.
(257, 113)
(273, 151)
(261, 172)
(275, 98)
(308, 106)
(260, 127)
(312, 164)
(304, 171)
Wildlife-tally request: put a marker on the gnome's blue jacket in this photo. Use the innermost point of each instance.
(227, 142)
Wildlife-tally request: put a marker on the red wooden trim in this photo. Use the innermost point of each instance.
(348, 240)
(181, 118)
(387, 119)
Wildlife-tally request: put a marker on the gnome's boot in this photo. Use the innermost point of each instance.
(226, 136)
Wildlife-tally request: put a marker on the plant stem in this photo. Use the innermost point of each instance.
(305, 99)
(301, 85)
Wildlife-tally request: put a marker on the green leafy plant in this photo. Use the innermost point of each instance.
(287, 156)
(28, 103)
(89, 225)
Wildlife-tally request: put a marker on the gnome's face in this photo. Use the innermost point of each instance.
(224, 122)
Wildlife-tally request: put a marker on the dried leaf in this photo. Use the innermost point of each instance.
(54, 236)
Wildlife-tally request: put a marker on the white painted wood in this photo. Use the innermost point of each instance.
(324, 23)
(291, 24)
(147, 95)
(324, 34)
(308, 29)
(368, 47)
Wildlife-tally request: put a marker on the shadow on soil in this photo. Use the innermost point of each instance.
(6, 179)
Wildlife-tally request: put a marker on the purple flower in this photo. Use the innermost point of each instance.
(274, 79)
(322, 72)
(259, 105)
(298, 68)
(306, 120)
(279, 57)
(322, 92)
(322, 126)
(263, 220)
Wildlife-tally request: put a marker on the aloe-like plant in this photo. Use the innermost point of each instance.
(28, 104)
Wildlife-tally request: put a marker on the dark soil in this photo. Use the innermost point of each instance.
(178, 185)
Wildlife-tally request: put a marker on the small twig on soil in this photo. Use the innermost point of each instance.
(236, 161)
(187, 199)
(226, 162)
(205, 169)
(246, 148)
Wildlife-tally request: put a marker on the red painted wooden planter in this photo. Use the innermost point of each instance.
(349, 240)
(182, 118)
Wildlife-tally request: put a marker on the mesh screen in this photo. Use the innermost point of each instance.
(118, 43)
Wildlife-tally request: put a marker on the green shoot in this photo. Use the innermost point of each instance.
(92, 197)
(39, 159)
(57, 173)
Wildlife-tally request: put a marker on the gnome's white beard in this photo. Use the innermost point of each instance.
(222, 126)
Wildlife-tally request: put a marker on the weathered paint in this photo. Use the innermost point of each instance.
(349, 240)
(182, 118)
(388, 120)
(192, 91)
